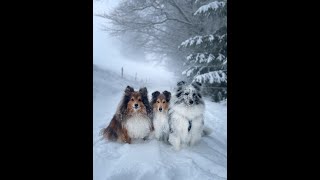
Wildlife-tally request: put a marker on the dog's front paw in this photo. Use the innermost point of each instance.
(177, 148)
(175, 142)
(192, 143)
(195, 139)
(151, 135)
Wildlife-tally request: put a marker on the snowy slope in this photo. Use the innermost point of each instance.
(106, 82)
(152, 159)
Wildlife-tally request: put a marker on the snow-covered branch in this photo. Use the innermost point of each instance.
(212, 77)
(213, 6)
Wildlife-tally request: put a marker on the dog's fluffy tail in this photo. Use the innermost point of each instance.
(206, 131)
(102, 132)
(100, 136)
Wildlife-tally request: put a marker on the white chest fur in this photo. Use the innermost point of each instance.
(180, 117)
(161, 125)
(138, 126)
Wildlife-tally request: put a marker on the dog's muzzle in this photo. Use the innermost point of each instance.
(136, 106)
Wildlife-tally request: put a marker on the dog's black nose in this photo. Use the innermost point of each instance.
(136, 105)
(160, 109)
(191, 102)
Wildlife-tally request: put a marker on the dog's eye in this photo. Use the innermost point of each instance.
(158, 101)
(139, 100)
(186, 94)
(132, 99)
(163, 102)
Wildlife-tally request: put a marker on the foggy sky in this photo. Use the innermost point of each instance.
(107, 53)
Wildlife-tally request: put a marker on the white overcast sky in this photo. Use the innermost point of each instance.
(107, 55)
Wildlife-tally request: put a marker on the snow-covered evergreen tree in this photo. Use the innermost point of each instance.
(207, 61)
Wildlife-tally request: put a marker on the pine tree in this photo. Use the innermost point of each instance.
(207, 61)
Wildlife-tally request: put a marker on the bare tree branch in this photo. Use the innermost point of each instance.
(173, 3)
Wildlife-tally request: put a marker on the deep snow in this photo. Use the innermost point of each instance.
(153, 159)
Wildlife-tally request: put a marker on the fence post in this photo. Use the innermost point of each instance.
(121, 72)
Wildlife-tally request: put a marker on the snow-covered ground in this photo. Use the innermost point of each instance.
(153, 160)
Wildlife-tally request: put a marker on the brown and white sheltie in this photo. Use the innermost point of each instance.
(132, 119)
(160, 104)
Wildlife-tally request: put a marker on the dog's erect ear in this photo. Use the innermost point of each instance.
(126, 99)
(144, 96)
(143, 91)
(128, 90)
(181, 83)
(180, 86)
(155, 94)
(167, 94)
(197, 85)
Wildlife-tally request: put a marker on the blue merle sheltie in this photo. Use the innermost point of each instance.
(186, 115)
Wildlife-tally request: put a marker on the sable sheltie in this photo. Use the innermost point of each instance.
(132, 119)
(186, 115)
(160, 104)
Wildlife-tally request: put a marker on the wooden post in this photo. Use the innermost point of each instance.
(122, 72)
